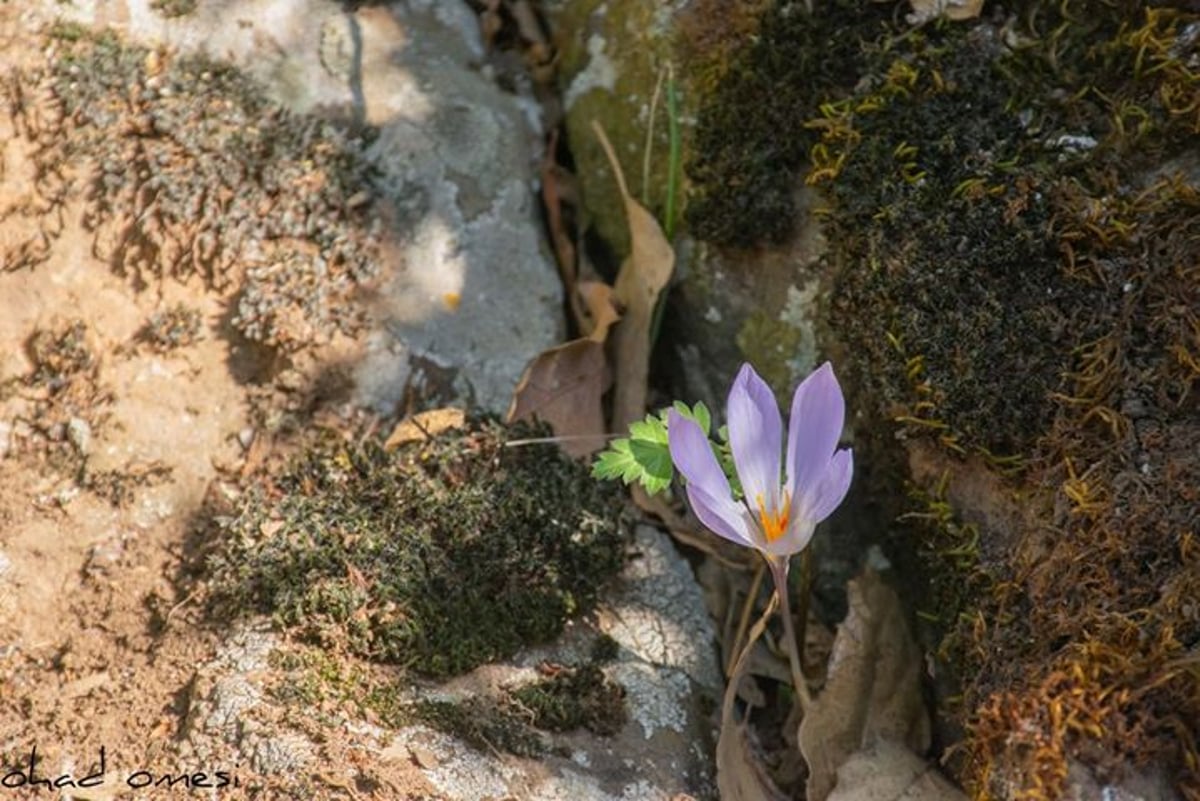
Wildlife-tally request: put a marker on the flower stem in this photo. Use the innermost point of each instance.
(779, 572)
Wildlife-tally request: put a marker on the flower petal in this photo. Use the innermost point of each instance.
(794, 540)
(818, 414)
(755, 438)
(707, 487)
(830, 488)
(727, 520)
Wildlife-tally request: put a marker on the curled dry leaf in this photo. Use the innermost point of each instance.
(600, 314)
(890, 772)
(740, 775)
(644, 274)
(563, 386)
(421, 427)
(873, 692)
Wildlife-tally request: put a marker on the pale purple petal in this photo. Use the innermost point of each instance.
(830, 488)
(726, 519)
(794, 540)
(707, 487)
(755, 438)
(818, 413)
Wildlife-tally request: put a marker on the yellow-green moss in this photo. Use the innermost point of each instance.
(1010, 214)
(1018, 280)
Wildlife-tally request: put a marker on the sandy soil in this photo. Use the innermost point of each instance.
(109, 444)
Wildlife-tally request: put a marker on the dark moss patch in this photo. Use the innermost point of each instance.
(174, 8)
(574, 698)
(751, 142)
(439, 556)
(1014, 229)
(481, 724)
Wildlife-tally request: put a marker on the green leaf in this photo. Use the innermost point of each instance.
(616, 461)
(645, 456)
(698, 413)
(654, 459)
(652, 429)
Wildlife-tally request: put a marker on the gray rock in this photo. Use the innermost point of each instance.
(79, 432)
(228, 713)
(728, 306)
(666, 664)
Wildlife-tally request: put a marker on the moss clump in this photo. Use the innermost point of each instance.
(574, 698)
(174, 8)
(1011, 215)
(176, 327)
(571, 698)
(579, 696)
(481, 724)
(751, 142)
(438, 556)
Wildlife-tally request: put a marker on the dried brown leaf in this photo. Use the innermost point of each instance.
(874, 688)
(600, 313)
(558, 194)
(563, 386)
(420, 427)
(644, 274)
(890, 772)
(740, 776)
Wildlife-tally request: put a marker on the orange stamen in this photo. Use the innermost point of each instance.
(774, 523)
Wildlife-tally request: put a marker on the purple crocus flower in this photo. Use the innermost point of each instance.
(779, 512)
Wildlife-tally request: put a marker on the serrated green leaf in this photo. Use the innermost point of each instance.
(652, 429)
(698, 413)
(616, 461)
(654, 459)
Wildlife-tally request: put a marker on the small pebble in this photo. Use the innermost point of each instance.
(79, 432)
(246, 437)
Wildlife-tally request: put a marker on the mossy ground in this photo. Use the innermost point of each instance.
(570, 697)
(186, 168)
(1015, 230)
(438, 556)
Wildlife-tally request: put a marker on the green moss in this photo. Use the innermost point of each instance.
(483, 725)
(770, 345)
(1014, 234)
(578, 696)
(574, 698)
(439, 557)
(751, 141)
